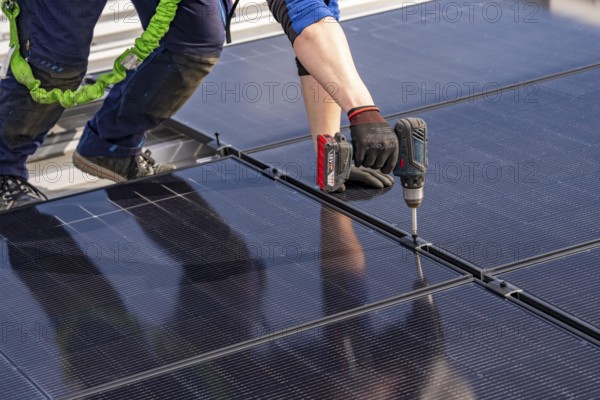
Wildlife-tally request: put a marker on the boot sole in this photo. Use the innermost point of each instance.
(96, 170)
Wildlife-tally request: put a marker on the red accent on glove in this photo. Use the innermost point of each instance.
(365, 115)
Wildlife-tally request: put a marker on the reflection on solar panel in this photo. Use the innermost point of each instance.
(463, 343)
(142, 275)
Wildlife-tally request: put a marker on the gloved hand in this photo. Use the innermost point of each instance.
(367, 177)
(375, 146)
(370, 177)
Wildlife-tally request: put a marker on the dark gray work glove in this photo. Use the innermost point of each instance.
(367, 177)
(375, 146)
(370, 177)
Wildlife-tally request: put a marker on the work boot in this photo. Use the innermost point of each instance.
(120, 169)
(16, 191)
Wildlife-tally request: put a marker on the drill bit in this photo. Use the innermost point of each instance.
(414, 224)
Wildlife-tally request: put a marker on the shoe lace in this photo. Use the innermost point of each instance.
(146, 162)
(12, 186)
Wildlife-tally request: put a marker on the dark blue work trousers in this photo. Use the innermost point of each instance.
(56, 36)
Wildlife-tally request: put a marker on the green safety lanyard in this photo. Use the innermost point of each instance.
(130, 59)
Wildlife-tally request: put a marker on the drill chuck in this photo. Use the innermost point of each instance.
(413, 197)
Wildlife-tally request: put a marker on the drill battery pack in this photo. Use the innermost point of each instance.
(334, 160)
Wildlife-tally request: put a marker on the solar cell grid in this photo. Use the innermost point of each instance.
(150, 274)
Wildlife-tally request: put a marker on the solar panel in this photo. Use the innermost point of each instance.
(461, 343)
(416, 56)
(569, 283)
(13, 384)
(138, 276)
(506, 180)
(270, 294)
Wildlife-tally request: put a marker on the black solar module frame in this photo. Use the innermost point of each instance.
(578, 248)
(15, 385)
(565, 287)
(461, 343)
(423, 247)
(525, 299)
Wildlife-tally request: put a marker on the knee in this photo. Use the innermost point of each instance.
(198, 29)
(21, 116)
(189, 69)
(158, 99)
(183, 70)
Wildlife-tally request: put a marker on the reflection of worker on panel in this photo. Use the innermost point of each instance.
(217, 304)
(221, 283)
(91, 332)
(404, 360)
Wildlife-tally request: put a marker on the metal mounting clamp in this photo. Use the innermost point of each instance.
(503, 288)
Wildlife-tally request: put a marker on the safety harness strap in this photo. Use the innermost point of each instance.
(130, 59)
(229, 19)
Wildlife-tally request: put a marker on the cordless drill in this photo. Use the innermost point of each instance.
(412, 163)
(334, 160)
